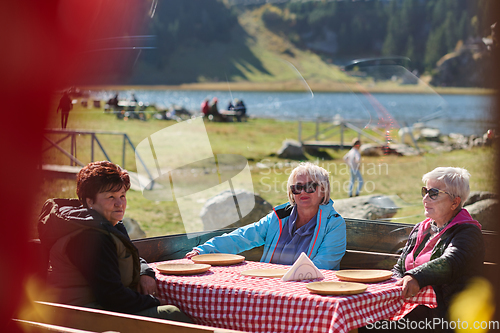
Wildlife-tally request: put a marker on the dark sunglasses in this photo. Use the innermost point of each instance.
(433, 192)
(308, 188)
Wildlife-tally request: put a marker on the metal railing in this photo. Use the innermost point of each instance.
(72, 154)
(342, 125)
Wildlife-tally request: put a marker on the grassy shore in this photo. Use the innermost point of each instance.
(257, 140)
(297, 85)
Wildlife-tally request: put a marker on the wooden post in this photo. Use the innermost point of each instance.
(123, 150)
(72, 148)
(316, 135)
(74, 153)
(92, 147)
(342, 135)
(300, 131)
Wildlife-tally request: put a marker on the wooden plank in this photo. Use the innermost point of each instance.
(325, 144)
(99, 320)
(172, 246)
(376, 236)
(368, 260)
(490, 271)
(490, 242)
(61, 171)
(35, 327)
(373, 260)
(362, 235)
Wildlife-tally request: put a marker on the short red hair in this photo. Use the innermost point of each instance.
(97, 177)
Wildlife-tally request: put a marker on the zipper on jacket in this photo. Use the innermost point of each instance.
(281, 229)
(319, 227)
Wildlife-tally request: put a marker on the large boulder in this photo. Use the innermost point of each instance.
(133, 228)
(476, 196)
(403, 149)
(371, 207)
(485, 212)
(483, 207)
(222, 212)
(291, 149)
(429, 134)
(371, 149)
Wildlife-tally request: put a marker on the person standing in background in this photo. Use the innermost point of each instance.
(65, 105)
(353, 160)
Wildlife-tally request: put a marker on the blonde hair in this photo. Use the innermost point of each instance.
(456, 181)
(316, 173)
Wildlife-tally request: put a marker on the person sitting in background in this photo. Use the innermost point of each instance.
(446, 249)
(214, 111)
(205, 108)
(93, 262)
(230, 106)
(241, 110)
(307, 223)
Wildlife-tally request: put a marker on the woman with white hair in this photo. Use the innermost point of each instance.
(447, 248)
(307, 223)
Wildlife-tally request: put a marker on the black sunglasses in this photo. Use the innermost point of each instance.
(433, 192)
(307, 187)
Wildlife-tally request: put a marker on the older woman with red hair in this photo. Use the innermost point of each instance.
(93, 263)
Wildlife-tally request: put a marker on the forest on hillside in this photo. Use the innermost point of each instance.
(208, 32)
(422, 30)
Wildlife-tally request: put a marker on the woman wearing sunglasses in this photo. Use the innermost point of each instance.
(447, 248)
(307, 223)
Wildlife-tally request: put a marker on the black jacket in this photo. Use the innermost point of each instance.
(457, 257)
(94, 253)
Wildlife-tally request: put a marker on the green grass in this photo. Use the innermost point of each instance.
(258, 140)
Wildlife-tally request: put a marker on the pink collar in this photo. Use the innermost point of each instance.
(463, 217)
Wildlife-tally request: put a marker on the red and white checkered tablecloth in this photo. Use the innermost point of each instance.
(224, 298)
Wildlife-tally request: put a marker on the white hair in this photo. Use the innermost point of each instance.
(317, 175)
(456, 181)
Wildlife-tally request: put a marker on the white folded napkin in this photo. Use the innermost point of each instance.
(302, 269)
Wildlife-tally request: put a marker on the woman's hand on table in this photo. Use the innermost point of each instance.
(410, 286)
(147, 285)
(191, 254)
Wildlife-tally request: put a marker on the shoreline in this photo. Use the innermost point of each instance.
(296, 87)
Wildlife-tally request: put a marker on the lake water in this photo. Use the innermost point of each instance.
(466, 114)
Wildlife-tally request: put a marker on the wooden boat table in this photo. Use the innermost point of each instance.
(222, 297)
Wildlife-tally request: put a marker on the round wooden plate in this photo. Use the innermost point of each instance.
(183, 269)
(266, 273)
(336, 288)
(218, 259)
(363, 275)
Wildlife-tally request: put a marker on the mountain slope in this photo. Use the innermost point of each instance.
(254, 54)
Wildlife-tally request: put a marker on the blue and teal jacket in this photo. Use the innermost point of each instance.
(327, 247)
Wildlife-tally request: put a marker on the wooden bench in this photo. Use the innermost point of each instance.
(370, 244)
(362, 235)
(67, 318)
